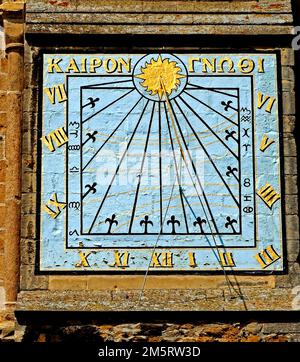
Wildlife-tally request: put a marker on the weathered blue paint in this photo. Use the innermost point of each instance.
(114, 120)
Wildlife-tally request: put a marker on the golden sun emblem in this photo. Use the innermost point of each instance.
(160, 76)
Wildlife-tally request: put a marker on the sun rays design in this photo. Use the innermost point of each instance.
(159, 74)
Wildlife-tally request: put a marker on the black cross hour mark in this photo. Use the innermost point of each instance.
(111, 221)
(231, 171)
(146, 222)
(227, 105)
(91, 136)
(230, 135)
(230, 223)
(92, 102)
(173, 222)
(200, 222)
(91, 188)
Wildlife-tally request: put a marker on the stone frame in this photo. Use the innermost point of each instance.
(182, 292)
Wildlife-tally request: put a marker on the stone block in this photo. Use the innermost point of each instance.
(3, 119)
(2, 192)
(288, 74)
(30, 121)
(214, 293)
(269, 328)
(27, 53)
(253, 328)
(291, 204)
(28, 79)
(189, 29)
(29, 140)
(2, 145)
(7, 329)
(3, 100)
(290, 166)
(292, 226)
(275, 337)
(2, 306)
(288, 103)
(294, 272)
(251, 338)
(289, 123)
(3, 211)
(288, 135)
(30, 53)
(30, 281)
(90, 5)
(28, 182)
(3, 81)
(293, 250)
(2, 237)
(285, 282)
(3, 167)
(19, 333)
(28, 204)
(3, 65)
(214, 284)
(27, 251)
(28, 229)
(289, 146)
(291, 187)
(28, 163)
(294, 337)
(30, 99)
(32, 73)
(67, 282)
(1, 266)
(288, 56)
(288, 85)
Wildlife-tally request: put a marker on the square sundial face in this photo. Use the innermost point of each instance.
(160, 162)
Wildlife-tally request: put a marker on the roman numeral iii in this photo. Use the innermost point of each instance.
(268, 195)
(267, 256)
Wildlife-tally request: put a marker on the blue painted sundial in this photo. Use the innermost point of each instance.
(166, 162)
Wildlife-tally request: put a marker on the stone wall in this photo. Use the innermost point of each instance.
(167, 332)
(107, 294)
(162, 331)
(159, 17)
(3, 162)
(41, 291)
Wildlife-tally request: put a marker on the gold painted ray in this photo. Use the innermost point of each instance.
(159, 70)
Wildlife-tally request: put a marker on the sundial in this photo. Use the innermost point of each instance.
(160, 162)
